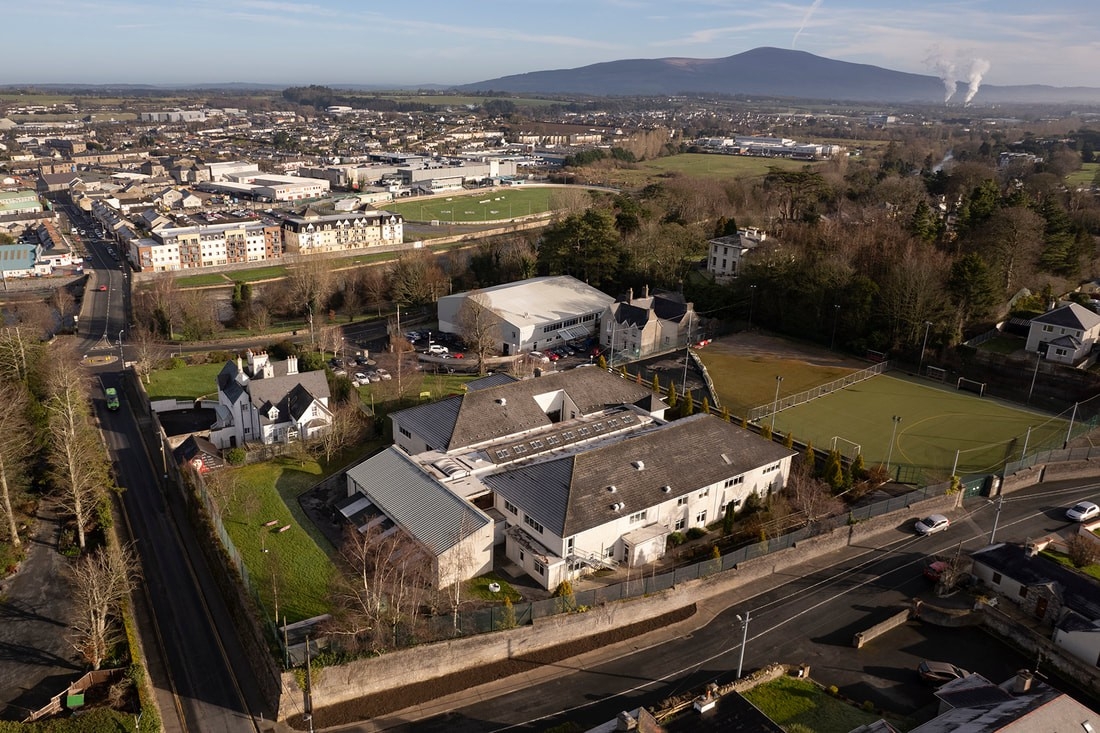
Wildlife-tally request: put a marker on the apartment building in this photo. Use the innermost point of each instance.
(314, 232)
(184, 248)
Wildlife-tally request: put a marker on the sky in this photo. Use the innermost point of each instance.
(334, 42)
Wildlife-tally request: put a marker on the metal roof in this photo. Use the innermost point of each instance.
(422, 507)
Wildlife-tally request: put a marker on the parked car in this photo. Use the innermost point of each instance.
(102, 288)
(384, 374)
(553, 355)
(538, 356)
(458, 355)
(437, 349)
(374, 376)
(933, 570)
(361, 378)
(1083, 511)
(938, 673)
(932, 524)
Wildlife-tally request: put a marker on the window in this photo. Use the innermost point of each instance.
(679, 524)
(638, 516)
(1060, 352)
(773, 467)
(735, 481)
(405, 432)
(610, 552)
(704, 492)
(1048, 329)
(996, 578)
(522, 556)
(701, 518)
(536, 444)
(532, 524)
(682, 501)
(540, 568)
(503, 453)
(510, 507)
(1023, 591)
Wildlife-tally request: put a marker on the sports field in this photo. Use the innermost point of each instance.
(936, 421)
(506, 203)
(703, 165)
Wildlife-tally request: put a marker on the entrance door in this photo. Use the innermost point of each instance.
(1041, 608)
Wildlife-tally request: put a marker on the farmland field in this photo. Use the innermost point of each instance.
(703, 165)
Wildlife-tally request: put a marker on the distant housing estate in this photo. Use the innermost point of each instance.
(769, 147)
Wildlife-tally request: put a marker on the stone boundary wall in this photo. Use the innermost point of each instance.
(408, 666)
(1070, 470)
(1022, 479)
(862, 637)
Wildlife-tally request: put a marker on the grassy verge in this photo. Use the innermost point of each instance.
(1093, 570)
(1004, 344)
(789, 701)
(202, 281)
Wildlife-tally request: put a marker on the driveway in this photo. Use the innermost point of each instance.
(36, 659)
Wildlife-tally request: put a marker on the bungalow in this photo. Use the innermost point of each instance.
(1065, 335)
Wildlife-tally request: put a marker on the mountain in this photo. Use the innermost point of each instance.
(767, 72)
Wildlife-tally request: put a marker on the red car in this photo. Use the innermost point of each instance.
(459, 355)
(102, 288)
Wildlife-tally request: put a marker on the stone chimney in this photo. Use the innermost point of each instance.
(645, 293)
(630, 295)
(1022, 683)
(291, 365)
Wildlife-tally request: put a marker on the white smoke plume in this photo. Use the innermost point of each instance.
(978, 67)
(945, 70)
(805, 19)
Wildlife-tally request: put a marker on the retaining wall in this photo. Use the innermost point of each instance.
(1022, 479)
(862, 637)
(875, 525)
(1070, 470)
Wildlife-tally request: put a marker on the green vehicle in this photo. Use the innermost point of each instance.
(112, 398)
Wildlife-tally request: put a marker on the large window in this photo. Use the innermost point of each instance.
(532, 523)
(510, 507)
(638, 516)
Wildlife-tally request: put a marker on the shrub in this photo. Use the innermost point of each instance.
(1082, 551)
(176, 363)
(235, 456)
(220, 357)
(676, 539)
(695, 533)
(834, 690)
(868, 706)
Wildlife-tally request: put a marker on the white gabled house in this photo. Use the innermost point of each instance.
(1065, 335)
(577, 470)
(269, 402)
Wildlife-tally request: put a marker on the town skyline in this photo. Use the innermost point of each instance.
(338, 42)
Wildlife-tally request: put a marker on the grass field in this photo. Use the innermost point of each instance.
(487, 205)
(1084, 176)
(744, 382)
(202, 281)
(703, 165)
(788, 701)
(935, 423)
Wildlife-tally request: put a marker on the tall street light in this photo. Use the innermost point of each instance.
(836, 317)
(775, 406)
(893, 435)
(752, 299)
(923, 346)
(744, 640)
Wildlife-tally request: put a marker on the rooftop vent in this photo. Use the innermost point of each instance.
(617, 506)
(638, 464)
(611, 489)
(666, 488)
(502, 401)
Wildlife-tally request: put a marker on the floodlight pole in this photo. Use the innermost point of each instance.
(893, 434)
(1069, 432)
(752, 299)
(1034, 375)
(955, 465)
(775, 406)
(1027, 439)
(920, 365)
(836, 317)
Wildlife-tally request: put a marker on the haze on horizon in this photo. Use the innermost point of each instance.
(433, 42)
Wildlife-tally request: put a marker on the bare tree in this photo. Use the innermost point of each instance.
(375, 287)
(345, 430)
(77, 463)
(416, 278)
(101, 583)
(160, 304)
(15, 450)
(19, 352)
(146, 349)
(479, 327)
(310, 281)
(377, 597)
(811, 498)
(64, 303)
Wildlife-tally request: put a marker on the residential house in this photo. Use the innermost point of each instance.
(638, 327)
(269, 402)
(1065, 335)
(1023, 704)
(580, 470)
(534, 314)
(1054, 595)
(726, 257)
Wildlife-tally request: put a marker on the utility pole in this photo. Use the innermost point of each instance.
(997, 517)
(744, 640)
(893, 434)
(308, 692)
(927, 325)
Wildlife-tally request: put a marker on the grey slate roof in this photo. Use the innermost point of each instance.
(570, 495)
(1078, 593)
(478, 416)
(292, 394)
(492, 380)
(435, 517)
(1070, 315)
(979, 706)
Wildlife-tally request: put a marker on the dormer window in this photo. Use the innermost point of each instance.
(273, 413)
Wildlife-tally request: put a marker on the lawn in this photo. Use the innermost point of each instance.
(789, 701)
(202, 281)
(744, 382)
(487, 205)
(1083, 177)
(185, 383)
(291, 563)
(703, 165)
(934, 421)
(259, 273)
(1004, 344)
(1093, 570)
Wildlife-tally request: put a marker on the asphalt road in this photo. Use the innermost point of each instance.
(805, 616)
(207, 680)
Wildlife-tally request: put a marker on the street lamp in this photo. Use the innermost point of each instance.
(752, 298)
(775, 406)
(744, 640)
(893, 434)
(920, 365)
(836, 317)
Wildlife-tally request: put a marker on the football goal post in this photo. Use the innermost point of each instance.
(971, 385)
(853, 449)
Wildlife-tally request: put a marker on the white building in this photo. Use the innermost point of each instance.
(534, 314)
(269, 402)
(726, 253)
(1065, 335)
(579, 470)
(314, 232)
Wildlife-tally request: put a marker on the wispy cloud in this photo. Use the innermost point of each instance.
(805, 19)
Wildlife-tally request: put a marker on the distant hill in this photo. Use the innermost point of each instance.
(768, 72)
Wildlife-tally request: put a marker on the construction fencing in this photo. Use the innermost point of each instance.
(783, 403)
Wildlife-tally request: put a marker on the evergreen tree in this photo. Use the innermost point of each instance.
(706, 405)
(766, 432)
(656, 384)
(725, 413)
(672, 397)
(689, 403)
(788, 442)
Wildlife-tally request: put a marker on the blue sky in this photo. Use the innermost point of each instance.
(451, 42)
